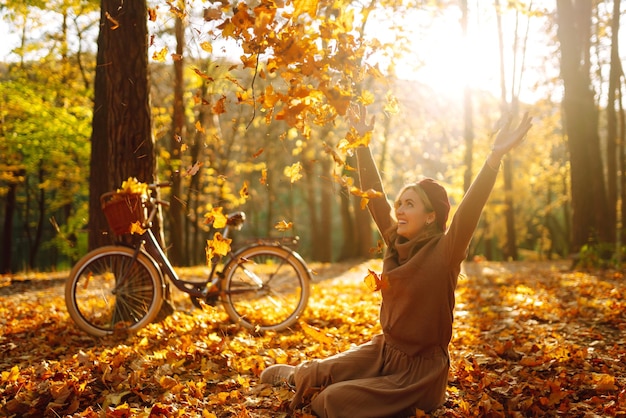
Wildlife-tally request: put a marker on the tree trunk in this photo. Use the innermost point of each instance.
(99, 163)
(589, 203)
(176, 210)
(510, 247)
(468, 116)
(612, 154)
(9, 211)
(325, 232)
(311, 193)
(35, 243)
(122, 143)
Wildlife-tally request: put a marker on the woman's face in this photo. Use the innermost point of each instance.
(411, 214)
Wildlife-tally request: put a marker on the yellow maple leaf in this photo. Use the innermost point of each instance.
(249, 61)
(243, 192)
(375, 281)
(263, 19)
(206, 46)
(216, 218)
(12, 375)
(366, 195)
(391, 105)
(294, 172)
(305, 6)
(218, 246)
(270, 98)
(283, 225)
(263, 179)
(136, 228)
(159, 56)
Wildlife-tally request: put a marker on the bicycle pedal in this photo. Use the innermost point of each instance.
(210, 300)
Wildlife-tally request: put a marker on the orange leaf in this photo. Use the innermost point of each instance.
(283, 225)
(135, 228)
(243, 192)
(375, 282)
(219, 107)
(159, 56)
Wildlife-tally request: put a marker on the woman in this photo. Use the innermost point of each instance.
(406, 367)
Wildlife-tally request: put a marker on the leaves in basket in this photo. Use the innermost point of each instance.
(135, 228)
(132, 185)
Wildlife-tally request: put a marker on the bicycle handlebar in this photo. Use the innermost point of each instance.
(154, 186)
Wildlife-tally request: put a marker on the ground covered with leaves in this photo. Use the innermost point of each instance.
(531, 339)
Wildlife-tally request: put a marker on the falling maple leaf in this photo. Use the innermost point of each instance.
(219, 107)
(375, 282)
(193, 170)
(159, 56)
(152, 14)
(244, 192)
(366, 195)
(216, 218)
(283, 225)
(217, 246)
(206, 46)
(294, 172)
(380, 248)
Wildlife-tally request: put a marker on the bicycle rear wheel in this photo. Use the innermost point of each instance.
(108, 291)
(266, 288)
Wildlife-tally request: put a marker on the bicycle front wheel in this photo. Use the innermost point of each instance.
(109, 291)
(266, 288)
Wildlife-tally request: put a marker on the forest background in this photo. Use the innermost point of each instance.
(246, 112)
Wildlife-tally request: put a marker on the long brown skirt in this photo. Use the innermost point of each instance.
(373, 380)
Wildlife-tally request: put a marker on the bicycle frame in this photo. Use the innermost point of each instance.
(148, 242)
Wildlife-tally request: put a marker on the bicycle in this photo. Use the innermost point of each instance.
(263, 286)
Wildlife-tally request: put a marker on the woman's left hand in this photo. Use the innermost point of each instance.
(508, 138)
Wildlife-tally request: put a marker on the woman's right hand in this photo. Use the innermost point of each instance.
(357, 114)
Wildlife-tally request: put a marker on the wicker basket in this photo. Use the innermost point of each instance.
(122, 210)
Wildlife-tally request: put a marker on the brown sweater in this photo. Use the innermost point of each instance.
(416, 313)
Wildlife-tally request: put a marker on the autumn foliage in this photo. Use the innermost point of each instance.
(530, 340)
